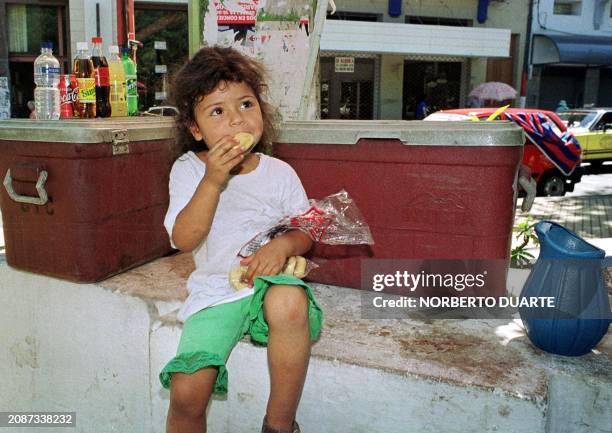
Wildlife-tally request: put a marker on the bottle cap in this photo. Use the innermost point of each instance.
(113, 49)
(82, 46)
(96, 40)
(50, 45)
(125, 51)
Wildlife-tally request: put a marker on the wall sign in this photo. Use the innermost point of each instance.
(345, 64)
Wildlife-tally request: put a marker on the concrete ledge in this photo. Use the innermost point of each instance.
(365, 376)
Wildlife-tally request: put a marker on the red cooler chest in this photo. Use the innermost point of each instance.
(428, 190)
(84, 199)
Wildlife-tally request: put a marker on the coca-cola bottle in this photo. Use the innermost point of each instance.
(83, 70)
(75, 93)
(103, 107)
(67, 97)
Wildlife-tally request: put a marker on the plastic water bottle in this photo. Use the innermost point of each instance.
(46, 77)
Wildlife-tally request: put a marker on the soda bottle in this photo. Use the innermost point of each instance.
(85, 75)
(46, 77)
(118, 98)
(129, 68)
(67, 96)
(103, 107)
(75, 93)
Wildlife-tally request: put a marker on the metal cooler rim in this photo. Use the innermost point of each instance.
(86, 130)
(410, 133)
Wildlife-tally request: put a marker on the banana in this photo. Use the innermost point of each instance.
(290, 266)
(300, 267)
(296, 266)
(246, 140)
(236, 277)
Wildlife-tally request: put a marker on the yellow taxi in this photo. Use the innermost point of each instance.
(593, 129)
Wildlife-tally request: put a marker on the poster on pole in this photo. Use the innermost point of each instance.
(272, 31)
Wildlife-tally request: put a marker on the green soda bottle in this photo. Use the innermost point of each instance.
(129, 68)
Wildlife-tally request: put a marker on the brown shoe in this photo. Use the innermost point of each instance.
(265, 428)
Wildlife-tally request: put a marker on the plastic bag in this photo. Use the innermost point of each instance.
(334, 220)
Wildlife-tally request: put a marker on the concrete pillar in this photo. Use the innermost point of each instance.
(591, 86)
(4, 63)
(391, 86)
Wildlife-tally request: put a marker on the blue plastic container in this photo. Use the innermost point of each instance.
(570, 270)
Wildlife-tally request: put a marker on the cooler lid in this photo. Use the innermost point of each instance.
(87, 130)
(430, 133)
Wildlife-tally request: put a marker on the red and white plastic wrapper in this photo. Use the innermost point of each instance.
(333, 220)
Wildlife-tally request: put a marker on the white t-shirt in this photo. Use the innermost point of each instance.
(249, 204)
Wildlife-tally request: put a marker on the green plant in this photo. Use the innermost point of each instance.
(525, 233)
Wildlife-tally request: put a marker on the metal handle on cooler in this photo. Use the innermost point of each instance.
(530, 187)
(42, 198)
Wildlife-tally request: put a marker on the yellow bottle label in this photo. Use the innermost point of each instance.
(87, 90)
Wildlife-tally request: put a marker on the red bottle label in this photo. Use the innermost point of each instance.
(102, 77)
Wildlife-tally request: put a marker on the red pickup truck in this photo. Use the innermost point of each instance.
(550, 181)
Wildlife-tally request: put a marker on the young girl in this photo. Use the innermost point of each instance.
(220, 197)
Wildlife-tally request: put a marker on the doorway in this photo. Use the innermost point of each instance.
(437, 83)
(347, 95)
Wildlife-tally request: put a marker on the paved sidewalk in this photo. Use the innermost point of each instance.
(588, 216)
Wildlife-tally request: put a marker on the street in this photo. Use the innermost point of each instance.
(594, 182)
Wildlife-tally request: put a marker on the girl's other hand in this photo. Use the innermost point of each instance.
(224, 155)
(268, 260)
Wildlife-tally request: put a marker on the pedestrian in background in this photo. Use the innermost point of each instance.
(421, 108)
(561, 107)
(32, 109)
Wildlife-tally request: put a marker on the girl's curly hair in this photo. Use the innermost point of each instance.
(201, 75)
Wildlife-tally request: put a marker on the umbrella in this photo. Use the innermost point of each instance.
(493, 90)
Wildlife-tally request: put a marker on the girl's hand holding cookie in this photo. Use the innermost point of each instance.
(224, 155)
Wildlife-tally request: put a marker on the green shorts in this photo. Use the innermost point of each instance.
(210, 335)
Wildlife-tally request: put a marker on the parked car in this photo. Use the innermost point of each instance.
(162, 110)
(549, 179)
(593, 129)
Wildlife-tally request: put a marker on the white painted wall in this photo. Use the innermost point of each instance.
(391, 82)
(509, 14)
(84, 348)
(74, 348)
(578, 24)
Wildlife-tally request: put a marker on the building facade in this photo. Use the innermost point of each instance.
(380, 58)
(571, 53)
